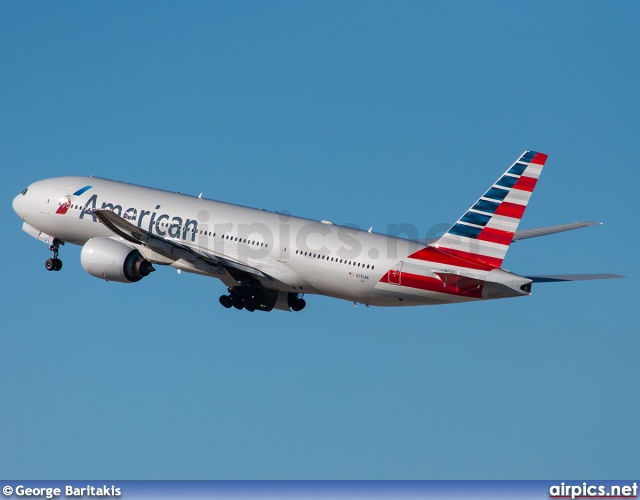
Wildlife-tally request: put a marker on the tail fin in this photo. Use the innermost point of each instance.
(483, 234)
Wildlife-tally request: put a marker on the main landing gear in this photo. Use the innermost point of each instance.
(296, 303)
(54, 264)
(254, 298)
(243, 297)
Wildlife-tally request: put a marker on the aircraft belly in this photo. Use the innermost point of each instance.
(340, 284)
(345, 291)
(386, 294)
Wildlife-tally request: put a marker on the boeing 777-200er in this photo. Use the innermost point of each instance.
(270, 260)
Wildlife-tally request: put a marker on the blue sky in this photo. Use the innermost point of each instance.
(368, 113)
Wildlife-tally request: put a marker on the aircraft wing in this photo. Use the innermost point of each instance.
(543, 231)
(555, 278)
(169, 248)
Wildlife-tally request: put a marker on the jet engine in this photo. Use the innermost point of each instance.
(111, 260)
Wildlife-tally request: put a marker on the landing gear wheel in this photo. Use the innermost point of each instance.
(236, 302)
(258, 297)
(298, 305)
(225, 300)
(53, 264)
(247, 296)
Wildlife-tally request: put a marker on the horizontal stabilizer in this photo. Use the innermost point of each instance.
(543, 231)
(555, 278)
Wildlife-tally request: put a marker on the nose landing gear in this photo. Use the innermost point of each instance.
(54, 264)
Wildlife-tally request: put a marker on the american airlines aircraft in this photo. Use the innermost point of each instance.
(270, 260)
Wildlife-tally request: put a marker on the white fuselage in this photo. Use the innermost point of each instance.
(298, 255)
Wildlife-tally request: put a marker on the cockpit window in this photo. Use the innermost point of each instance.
(25, 191)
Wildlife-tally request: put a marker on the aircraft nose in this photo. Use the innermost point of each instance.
(18, 205)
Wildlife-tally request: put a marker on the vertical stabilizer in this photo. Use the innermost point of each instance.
(483, 234)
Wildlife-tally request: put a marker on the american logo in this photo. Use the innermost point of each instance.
(66, 204)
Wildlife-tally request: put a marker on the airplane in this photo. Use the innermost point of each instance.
(269, 260)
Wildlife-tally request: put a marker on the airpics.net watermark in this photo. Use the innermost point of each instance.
(260, 238)
(68, 491)
(587, 490)
(285, 236)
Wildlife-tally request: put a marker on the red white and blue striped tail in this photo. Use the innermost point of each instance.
(483, 234)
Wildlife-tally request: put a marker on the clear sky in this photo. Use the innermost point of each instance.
(370, 113)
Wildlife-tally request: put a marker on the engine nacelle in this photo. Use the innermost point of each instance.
(111, 260)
